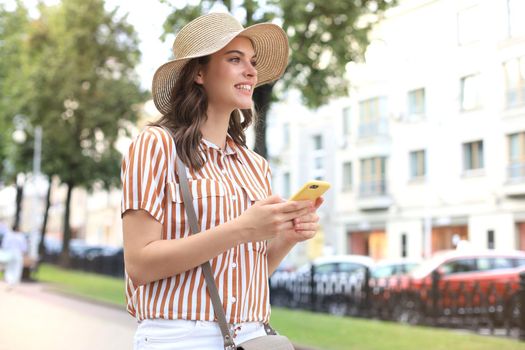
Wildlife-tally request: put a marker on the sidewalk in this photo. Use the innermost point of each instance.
(32, 317)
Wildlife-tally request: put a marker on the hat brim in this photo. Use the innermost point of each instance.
(271, 47)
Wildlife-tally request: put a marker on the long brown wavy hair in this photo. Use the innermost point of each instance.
(187, 115)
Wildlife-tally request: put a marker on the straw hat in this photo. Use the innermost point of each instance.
(208, 34)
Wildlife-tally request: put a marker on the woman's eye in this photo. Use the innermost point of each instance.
(254, 63)
(235, 59)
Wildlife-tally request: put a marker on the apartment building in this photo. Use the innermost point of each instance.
(301, 147)
(429, 147)
(436, 137)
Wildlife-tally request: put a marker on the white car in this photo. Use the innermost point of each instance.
(394, 267)
(335, 279)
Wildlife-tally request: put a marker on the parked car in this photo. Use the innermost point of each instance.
(455, 280)
(323, 284)
(394, 267)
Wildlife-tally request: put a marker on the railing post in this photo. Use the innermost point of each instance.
(313, 289)
(367, 293)
(521, 303)
(436, 276)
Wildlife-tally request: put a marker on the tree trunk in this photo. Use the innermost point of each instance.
(18, 205)
(65, 260)
(41, 246)
(262, 96)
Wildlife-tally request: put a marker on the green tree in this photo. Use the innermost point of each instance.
(13, 25)
(80, 86)
(324, 36)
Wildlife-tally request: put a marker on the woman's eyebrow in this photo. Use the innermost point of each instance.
(238, 52)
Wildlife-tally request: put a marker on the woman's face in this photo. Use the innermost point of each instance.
(230, 76)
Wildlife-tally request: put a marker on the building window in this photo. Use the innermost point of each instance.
(417, 164)
(469, 25)
(373, 177)
(286, 185)
(318, 142)
(515, 81)
(470, 92)
(516, 168)
(286, 135)
(373, 117)
(346, 121)
(490, 239)
(473, 155)
(416, 102)
(403, 245)
(515, 11)
(347, 176)
(317, 156)
(318, 163)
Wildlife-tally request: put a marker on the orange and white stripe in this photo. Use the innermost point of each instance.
(230, 182)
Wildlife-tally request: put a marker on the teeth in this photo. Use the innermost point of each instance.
(244, 87)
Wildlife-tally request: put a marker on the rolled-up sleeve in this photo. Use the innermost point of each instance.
(143, 174)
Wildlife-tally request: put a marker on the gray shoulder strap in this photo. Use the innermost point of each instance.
(206, 267)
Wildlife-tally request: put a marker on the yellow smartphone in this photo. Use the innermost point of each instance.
(311, 190)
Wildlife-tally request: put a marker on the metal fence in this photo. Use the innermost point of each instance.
(111, 265)
(477, 306)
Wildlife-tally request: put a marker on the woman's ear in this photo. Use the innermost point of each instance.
(199, 77)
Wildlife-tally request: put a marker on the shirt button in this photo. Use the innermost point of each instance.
(234, 265)
(224, 171)
(234, 198)
(234, 299)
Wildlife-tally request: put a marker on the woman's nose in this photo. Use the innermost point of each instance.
(250, 70)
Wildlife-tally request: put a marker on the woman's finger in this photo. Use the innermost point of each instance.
(294, 215)
(294, 206)
(306, 226)
(304, 235)
(312, 217)
(286, 226)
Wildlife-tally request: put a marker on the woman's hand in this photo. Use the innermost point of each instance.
(305, 226)
(271, 217)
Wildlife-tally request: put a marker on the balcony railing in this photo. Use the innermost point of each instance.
(516, 172)
(515, 97)
(373, 188)
(375, 128)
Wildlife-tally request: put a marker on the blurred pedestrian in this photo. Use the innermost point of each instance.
(15, 245)
(205, 96)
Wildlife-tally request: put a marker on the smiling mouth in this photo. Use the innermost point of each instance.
(243, 87)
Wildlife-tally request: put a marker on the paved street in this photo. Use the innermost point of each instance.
(32, 317)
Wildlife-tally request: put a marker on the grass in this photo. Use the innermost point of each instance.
(303, 328)
(337, 333)
(89, 285)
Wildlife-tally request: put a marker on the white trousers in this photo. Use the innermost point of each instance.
(14, 268)
(160, 334)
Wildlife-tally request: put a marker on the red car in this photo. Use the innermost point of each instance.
(464, 280)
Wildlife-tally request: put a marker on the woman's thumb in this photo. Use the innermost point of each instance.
(273, 199)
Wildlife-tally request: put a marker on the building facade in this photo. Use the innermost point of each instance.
(429, 148)
(301, 147)
(437, 123)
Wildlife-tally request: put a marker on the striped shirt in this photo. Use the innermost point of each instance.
(230, 181)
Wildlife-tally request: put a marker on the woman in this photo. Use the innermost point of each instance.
(200, 93)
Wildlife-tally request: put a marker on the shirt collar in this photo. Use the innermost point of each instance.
(231, 146)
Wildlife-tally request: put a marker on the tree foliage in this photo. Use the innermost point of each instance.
(13, 25)
(77, 81)
(79, 63)
(324, 37)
